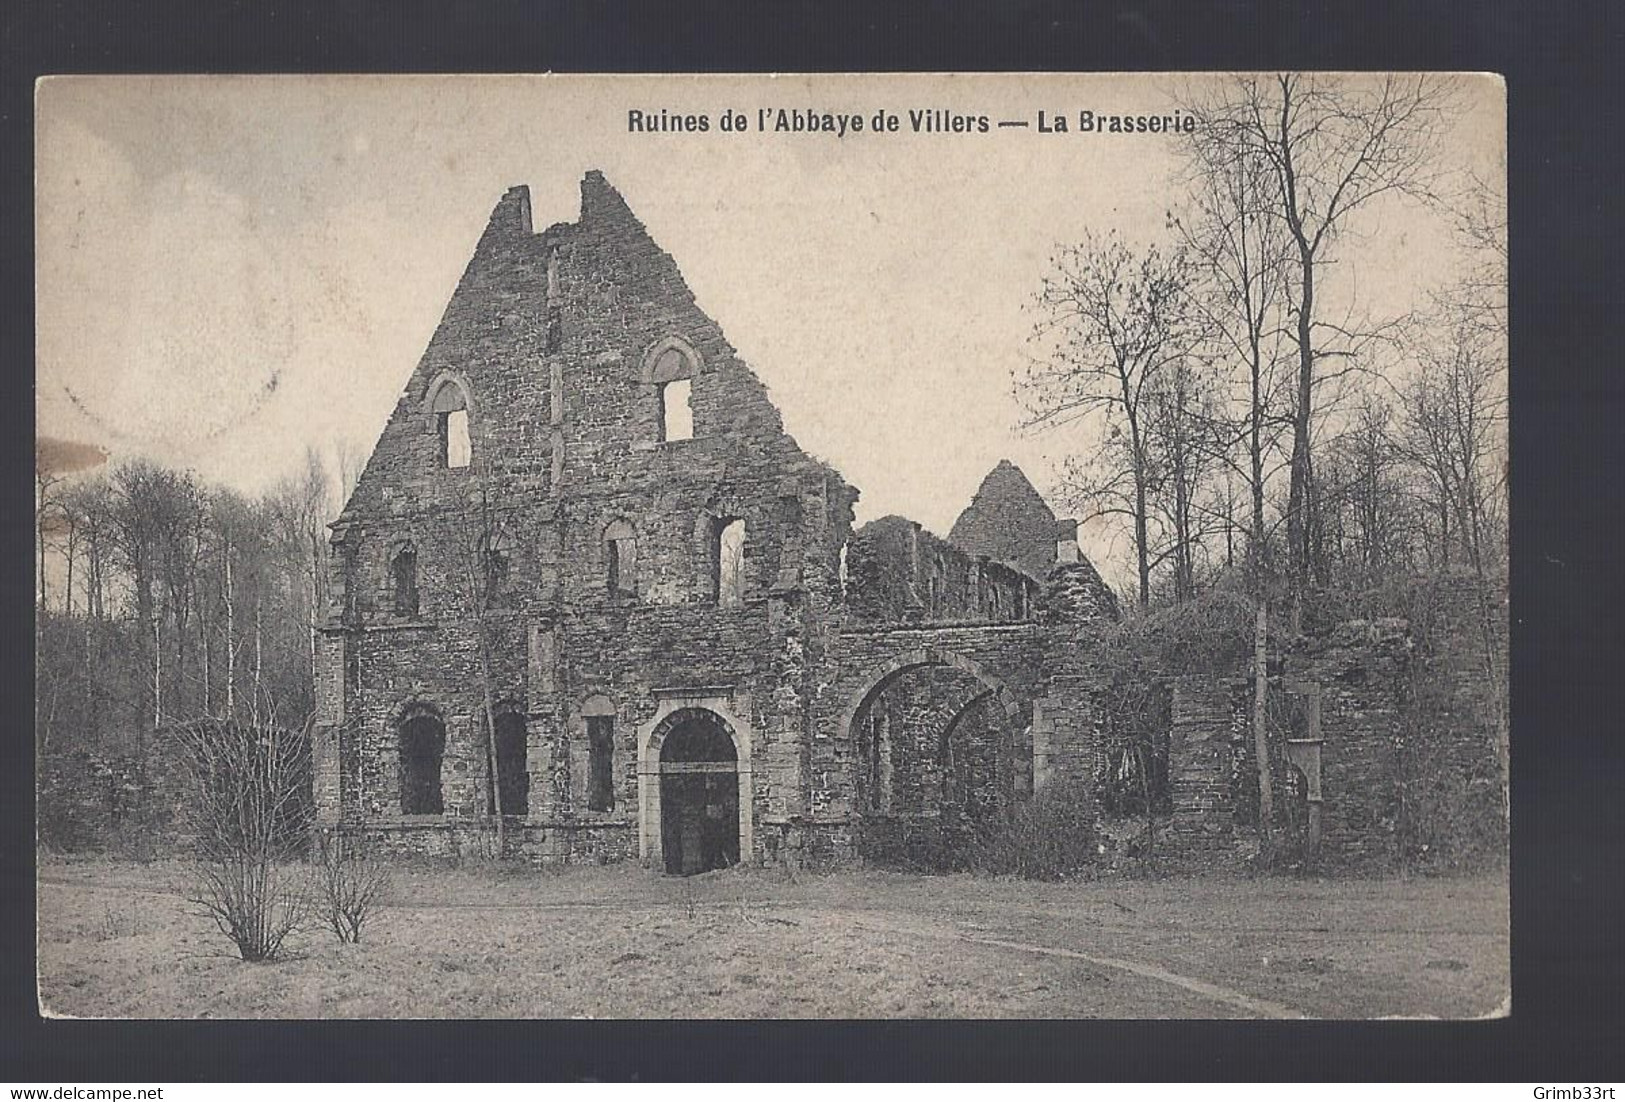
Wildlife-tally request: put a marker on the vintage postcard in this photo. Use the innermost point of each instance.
(744, 547)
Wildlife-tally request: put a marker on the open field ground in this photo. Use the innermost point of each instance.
(119, 940)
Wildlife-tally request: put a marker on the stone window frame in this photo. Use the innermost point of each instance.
(397, 548)
(434, 418)
(654, 379)
(714, 525)
(620, 529)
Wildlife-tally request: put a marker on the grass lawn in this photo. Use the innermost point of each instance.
(118, 940)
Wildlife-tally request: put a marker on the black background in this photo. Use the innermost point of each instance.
(1568, 400)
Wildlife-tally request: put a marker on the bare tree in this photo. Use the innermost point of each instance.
(484, 573)
(1110, 323)
(249, 814)
(1179, 422)
(1243, 251)
(1333, 150)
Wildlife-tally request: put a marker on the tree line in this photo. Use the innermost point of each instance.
(1246, 419)
(163, 600)
(1252, 427)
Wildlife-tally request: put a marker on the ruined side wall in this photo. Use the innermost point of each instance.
(1362, 674)
(897, 571)
(1199, 765)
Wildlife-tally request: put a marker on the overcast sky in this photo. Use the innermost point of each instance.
(233, 269)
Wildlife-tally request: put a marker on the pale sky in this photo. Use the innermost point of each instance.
(232, 269)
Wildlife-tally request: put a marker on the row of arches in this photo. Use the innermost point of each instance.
(940, 744)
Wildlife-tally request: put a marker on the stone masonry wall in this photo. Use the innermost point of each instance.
(1199, 766)
(551, 335)
(896, 570)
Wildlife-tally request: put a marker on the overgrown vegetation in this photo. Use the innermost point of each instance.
(1049, 837)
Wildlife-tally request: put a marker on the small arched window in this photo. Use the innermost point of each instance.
(450, 409)
(728, 561)
(403, 576)
(672, 374)
(496, 559)
(621, 558)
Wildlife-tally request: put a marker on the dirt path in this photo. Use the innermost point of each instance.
(1262, 1008)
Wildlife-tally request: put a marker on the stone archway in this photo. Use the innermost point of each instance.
(877, 680)
(694, 785)
(935, 738)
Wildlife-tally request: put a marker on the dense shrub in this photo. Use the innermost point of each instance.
(1049, 837)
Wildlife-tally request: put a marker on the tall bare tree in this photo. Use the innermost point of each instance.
(1243, 253)
(1111, 322)
(1334, 148)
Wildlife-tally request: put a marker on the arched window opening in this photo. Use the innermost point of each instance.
(672, 373)
(403, 572)
(422, 747)
(676, 412)
(728, 561)
(840, 568)
(450, 409)
(600, 763)
(513, 776)
(621, 558)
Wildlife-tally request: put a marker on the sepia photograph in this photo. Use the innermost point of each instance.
(958, 546)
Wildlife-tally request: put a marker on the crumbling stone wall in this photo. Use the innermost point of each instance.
(551, 336)
(1360, 672)
(100, 802)
(133, 800)
(1199, 753)
(896, 570)
(557, 345)
(1008, 520)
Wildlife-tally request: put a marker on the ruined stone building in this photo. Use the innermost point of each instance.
(585, 520)
(587, 503)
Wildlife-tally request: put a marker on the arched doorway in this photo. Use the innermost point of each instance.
(937, 743)
(699, 793)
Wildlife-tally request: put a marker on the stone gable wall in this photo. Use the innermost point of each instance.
(564, 420)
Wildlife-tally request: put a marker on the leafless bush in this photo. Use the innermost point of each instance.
(353, 878)
(249, 815)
